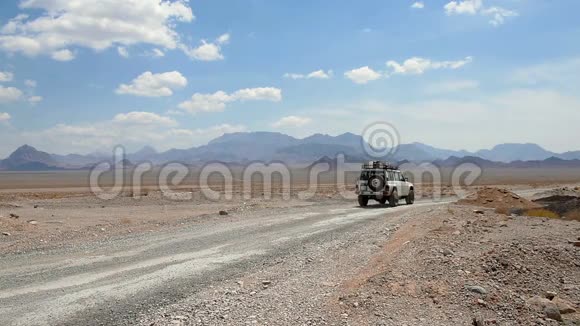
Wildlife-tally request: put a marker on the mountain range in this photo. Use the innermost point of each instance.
(272, 146)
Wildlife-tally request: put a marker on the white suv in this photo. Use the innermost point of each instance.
(383, 182)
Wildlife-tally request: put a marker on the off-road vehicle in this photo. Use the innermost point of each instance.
(383, 182)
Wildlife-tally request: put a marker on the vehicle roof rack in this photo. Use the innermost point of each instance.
(379, 165)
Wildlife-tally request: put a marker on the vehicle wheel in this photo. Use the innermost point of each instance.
(394, 198)
(383, 200)
(363, 201)
(410, 199)
(376, 183)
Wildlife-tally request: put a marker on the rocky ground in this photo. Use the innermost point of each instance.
(329, 263)
(447, 265)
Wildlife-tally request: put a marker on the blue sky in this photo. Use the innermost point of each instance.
(81, 76)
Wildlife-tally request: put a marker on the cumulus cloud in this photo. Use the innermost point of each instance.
(470, 7)
(143, 118)
(9, 94)
(94, 24)
(30, 83)
(157, 53)
(4, 117)
(123, 52)
(417, 66)
(292, 121)
(34, 99)
(498, 15)
(362, 75)
(317, 74)
(154, 85)
(63, 55)
(418, 5)
(476, 7)
(6, 76)
(208, 51)
(217, 101)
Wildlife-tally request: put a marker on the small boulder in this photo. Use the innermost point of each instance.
(6, 234)
(553, 313)
(546, 306)
(478, 211)
(476, 289)
(223, 213)
(564, 306)
(12, 215)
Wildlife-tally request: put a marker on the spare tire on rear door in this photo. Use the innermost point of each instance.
(376, 183)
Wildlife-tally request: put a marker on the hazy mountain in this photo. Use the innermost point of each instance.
(346, 139)
(28, 158)
(267, 146)
(574, 155)
(515, 152)
(144, 154)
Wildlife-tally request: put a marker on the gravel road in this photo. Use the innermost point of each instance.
(118, 281)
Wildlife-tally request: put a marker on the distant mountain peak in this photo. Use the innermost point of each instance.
(146, 150)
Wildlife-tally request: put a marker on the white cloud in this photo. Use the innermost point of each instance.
(452, 86)
(6, 76)
(208, 51)
(153, 130)
(418, 5)
(34, 99)
(63, 55)
(123, 51)
(317, 74)
(499, 15)
(144, 118)
(292, 121)
(561, 72)
(470, 7)
(94, 24)
(417, 66)
(476, 7)
(4, 117)
(157, 53)
(154, 85)
(9, 94)
(30, 83)
(362, 75)
(217, 101)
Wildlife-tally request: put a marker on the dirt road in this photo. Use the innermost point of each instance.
(118, 280)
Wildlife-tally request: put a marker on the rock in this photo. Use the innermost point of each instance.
(575, 243)
(223, 213)
(35, 206)
(564, 307)
(14, 215)
(553, 313)
(6, 234)
(456, 233)
(550, 295)
(266, 282)
(476, 289)
(481, 302)
(33, 222)
(478, 211)
(447, 252)
(546, 306)
(477, 321)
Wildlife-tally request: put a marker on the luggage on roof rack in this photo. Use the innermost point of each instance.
(378, 165)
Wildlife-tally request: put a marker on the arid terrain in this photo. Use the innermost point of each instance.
(507, 254)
